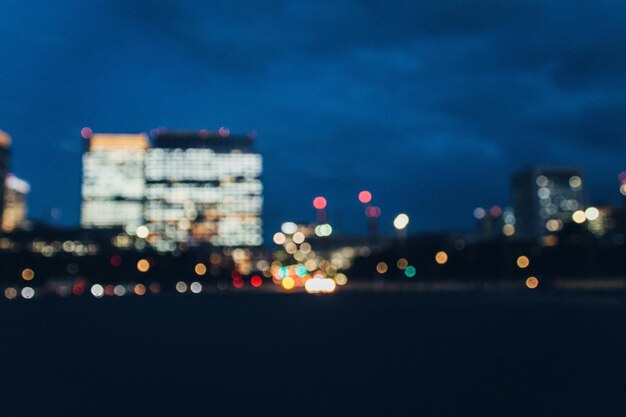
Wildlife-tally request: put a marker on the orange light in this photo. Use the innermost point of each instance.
(143, 265)
(532, 282)
(140, 289)
(441, 257)
(402, 263)
(200, 269)
(115, 141)
(381, 267)
(28, 274)
(523, 262)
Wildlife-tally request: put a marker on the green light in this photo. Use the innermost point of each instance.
(410, 271)
(282, 272)
(301, 270)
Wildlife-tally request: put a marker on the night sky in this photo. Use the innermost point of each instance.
(430, 105)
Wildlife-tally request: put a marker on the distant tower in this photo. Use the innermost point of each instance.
(113, 187)
(15, 193)
(545, 198)
(5, 145)
(203, 187)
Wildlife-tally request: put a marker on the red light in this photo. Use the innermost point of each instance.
(116, 260)
(495, 211)
(372, 211)
(109, 290)
(86, 133)
(78, 289)
(237, 282)
(365, 197)
(319, 203)
(256, 281)
(223, 132)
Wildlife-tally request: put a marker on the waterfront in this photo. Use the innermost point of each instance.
(487, 352)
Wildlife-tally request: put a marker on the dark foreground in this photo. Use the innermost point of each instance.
(501, 353)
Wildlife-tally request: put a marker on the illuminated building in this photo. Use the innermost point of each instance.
(545, 198)
(14, 212)
(495, 221)
(113, 187)
(203, 187)
(5, 144)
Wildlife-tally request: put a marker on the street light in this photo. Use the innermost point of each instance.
(400, 223)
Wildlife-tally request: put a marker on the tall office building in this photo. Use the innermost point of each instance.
(14, 213)
(545, 198)
(5, 144)
(203, 187)
(113, 186)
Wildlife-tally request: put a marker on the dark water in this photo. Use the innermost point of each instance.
(455, 354)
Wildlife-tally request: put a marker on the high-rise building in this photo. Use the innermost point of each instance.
(5, 144)
(203, 187)
(545, 198)
(113, 187)
(14, 213)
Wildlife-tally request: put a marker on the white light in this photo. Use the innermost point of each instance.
(592, 213)
(28, 293)
(142, 232)
(289, 228)
(401, 221)
(119, 290)
(97, 290)
(196, 287)
(181, 287)
(298, 237)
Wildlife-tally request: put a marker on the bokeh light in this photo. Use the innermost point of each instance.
(365, 197)
(289, 228)
(142, 232)
(579, 216)
(401, 221)
(523, 261)
(402, 263)
(195, 287)
(381, 267)
(28, 274)
(143, 265)
(279, 238)
(27, 292)
(532, 282)
(140, 289)
(288, 283)
(372, 211)
(97, 290)
(319, 203)
(10, 293)
(200, 269)
(441, 257)
(410, 271)
(592, 213)
(181, 287)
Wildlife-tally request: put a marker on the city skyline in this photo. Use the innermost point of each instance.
(431, 108)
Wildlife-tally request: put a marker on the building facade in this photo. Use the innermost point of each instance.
(203, 187)
(5, 145)
(14, 213)
(545, 198)
(113, 186)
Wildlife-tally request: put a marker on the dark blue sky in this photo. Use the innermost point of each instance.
(431, 105)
